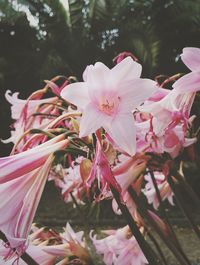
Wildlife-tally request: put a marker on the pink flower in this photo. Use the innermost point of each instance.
(17, 165)
(163, 186)
(36, 252)
(191, 81)
(108, 97)
(120, 247)
(77, 244)
(164, 130)
(18, 210)
(69, 180)
(22, 182)
(22, 111)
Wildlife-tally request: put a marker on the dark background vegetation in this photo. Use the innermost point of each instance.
(43, 38)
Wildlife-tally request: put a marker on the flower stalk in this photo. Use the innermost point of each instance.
(147, 250)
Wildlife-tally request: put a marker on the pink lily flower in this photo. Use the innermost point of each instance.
(120, 248)
(190, 82)
(107, 98)
(17, 165)
(22, 111)
(164, 130)
(163, 186)
(17, 211)
(77, 244)
(24, 176)
(69, 180)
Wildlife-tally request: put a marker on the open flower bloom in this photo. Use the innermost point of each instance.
(191, 81)
(165, 129)
(107, 98)
(120, 247)
(22, 182)
(22, 112)
(18, 210)
(163, 186)
(77, 244)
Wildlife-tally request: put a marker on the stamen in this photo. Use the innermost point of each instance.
(109, 107)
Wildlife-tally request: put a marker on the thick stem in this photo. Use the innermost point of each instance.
(182, 206)
(25, 257)
(147, 250)
(162, 209)
(178, 253)
(157, 246)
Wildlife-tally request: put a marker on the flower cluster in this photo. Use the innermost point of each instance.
(114, 136)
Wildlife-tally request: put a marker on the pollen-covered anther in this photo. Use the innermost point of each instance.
(107, 107)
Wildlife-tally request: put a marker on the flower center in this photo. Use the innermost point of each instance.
(109, 107)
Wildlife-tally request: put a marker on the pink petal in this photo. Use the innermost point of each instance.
(122, 131)
(191, 58)
(96, 74)
(135, 92)
(91, 120)
(127, 69)
(22, 163)
(40, 256)
(76, 93)
(19, 209)
(32, 199)
(16, 187)
(188, 83)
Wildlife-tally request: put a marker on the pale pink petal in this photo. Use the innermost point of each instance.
(57, 250)
(188, 83)
(91, 120)
(135, 92)
(76, 93)
(19, 209)
(126, 70)
(22, 163)
(18, 105)
(191, 58)
(189, 141)
(41, 257)
(122, 131)
(32, 199)
(160, 94)
(18, 188)
(96, 74)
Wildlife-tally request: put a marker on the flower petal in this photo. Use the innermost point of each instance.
(188, 83)
(127, 69)
(77, 94)
(122, 131)
(191, 58)
(17, 165)
(96, 74)
(135, 92)
(91, 120)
